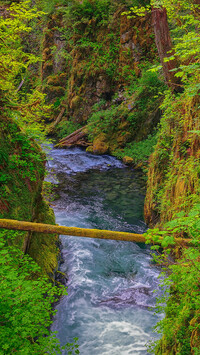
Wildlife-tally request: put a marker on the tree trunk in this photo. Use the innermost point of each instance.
(78, 232)
(75, 138)
(164, 46)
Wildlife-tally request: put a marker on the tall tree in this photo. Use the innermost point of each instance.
(164, 46)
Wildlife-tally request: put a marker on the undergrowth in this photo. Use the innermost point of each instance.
(139, 151)
(180, 328)
(26, 303)
(66, 127)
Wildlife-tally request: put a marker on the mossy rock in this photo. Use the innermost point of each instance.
(100, 146)
(89, 149)
(75, 102)
(127, 160)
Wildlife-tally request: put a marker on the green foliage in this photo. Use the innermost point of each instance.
(151, 84)
(64, 128)
(48, 7)
(174, 180)
(148, 93)
(186, 41)
(89, 31)
(181, 298)
(102, 53)
(123, 125)
(27, 108)
(22, 163)
(22, 160)
(48, 191)
(106, 121)
(148, 90)
(26, 303)
(139, 151)
(13, 59)
(174, 164)
(91, 9)
(30, 113)
(137, 11)
(183, 17)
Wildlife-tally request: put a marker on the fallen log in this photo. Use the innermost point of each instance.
(78, 232)
(72, 134)
(75, 138)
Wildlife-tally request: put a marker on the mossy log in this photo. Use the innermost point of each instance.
(78, 232)
(75, 138)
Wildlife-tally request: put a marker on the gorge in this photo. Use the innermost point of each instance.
(124, 76)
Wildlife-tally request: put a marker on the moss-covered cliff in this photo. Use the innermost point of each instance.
(94, 71)
(91, 52)
(22, 172)
(173, 177)
(173, 188)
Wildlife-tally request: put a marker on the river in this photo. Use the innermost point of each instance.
(110, 283)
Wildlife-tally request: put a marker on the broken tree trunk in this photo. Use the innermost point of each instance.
(75, 138)
(164, 47)
(78, 232)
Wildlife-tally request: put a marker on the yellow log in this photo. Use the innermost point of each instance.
(78, 232)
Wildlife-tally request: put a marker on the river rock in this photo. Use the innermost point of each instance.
(89, 149)
(127, 160)
(99, 145)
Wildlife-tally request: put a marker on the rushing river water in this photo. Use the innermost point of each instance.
(110, 283)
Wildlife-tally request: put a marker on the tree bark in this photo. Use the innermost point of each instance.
(75, 138)
(164, 46)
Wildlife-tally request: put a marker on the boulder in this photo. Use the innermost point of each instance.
(100, 146)
(89, 149)
(127, 160)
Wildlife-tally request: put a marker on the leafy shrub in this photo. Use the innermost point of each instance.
(106, 121)
(181, 299)
(148, 90)
(64, 128)
(86, 9)
(139, 151)
(26, 303)
(27, 108)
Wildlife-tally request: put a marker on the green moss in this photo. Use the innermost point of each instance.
(128, 126)
(139, 151)
(65, 127)
(173, 178)
(23, 171)
(43, 248)
(173, 196)
(23, 167)
(75, 102)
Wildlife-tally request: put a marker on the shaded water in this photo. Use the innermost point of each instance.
(111, 283)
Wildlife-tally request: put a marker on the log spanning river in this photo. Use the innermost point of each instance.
(110, 302)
